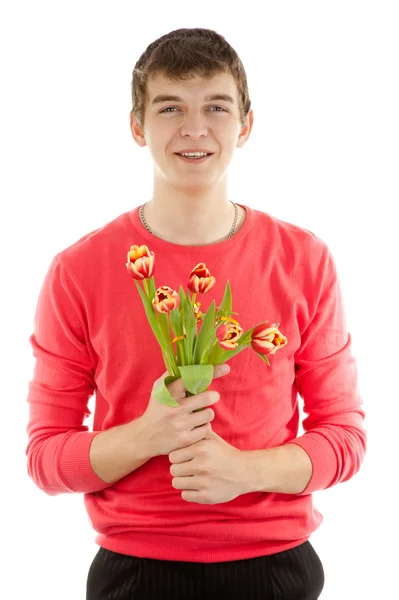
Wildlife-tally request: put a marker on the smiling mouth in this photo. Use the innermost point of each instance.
(194, 160)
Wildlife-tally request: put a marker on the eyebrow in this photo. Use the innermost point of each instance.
(209, 98)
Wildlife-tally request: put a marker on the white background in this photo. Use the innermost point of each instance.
(323, 154)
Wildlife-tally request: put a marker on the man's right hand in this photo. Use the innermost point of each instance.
(167, 428)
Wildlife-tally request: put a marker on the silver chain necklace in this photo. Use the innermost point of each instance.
(232, 230)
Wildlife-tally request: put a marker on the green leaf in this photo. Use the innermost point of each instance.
(162, 394)
(246, 337)
(204, 360)
(225, 355)
(151, 287)
(176, 322)
(190, 326)
(163, 321)
(196, 378)
(180, 356)
(177, 328)
(264, 358)
(205, 333)
(150, 312)
(182, 296)
(227, 301)
(215, 357)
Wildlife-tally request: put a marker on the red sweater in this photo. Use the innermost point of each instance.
(91, 336)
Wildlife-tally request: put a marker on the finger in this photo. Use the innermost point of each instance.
(201, 400)
(181, 455)
(185, 483)
(193, 496)
(221, 370)
(181, 470)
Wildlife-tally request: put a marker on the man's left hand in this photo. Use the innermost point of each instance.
(210, 471)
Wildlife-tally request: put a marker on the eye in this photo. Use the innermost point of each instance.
(170, 108)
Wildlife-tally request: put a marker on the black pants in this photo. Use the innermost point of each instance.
(295, 574)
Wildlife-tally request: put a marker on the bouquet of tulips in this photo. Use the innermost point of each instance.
(192, 343)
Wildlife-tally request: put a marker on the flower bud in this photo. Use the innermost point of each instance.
(165, 299)
(141, 262)
(228, 335)
(200, 280)
(267, 339)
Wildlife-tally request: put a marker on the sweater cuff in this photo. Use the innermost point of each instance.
(76, 472)
(323, 458)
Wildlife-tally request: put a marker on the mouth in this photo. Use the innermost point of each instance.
(194, 160)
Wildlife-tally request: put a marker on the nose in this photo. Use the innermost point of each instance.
(194, 125)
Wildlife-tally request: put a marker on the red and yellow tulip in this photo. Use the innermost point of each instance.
(192, 343)
(140, 262)
(200, 280)
(228, 334)
(165, 299)
(267, 339)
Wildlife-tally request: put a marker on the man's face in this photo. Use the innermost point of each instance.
(193, 122)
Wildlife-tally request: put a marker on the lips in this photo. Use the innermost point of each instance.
(193, 161)
(188, 150)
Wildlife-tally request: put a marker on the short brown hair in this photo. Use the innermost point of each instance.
(185, 53)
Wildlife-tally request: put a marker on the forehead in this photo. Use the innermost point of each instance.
(193, 88)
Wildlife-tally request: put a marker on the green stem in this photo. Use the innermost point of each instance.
(172, 369)
(180, 345)
(164, 323)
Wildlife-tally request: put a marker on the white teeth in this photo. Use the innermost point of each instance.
(194, 154)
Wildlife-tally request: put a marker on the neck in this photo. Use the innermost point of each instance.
(192, 221)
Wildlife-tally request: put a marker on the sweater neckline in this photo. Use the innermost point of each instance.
(154, 242)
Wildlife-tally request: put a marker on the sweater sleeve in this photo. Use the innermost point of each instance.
(326, 379)
(63, 382)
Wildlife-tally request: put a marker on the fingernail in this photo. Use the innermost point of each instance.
(225, 369)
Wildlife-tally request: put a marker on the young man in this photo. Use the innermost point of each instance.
(190, 504)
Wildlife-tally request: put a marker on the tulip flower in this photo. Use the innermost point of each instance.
(165, 299)
(267, 339)
(141, 262)
(228, 335)
(192, 342)
(200, 280)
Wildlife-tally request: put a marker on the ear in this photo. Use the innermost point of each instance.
(246, 129)
(137, 132)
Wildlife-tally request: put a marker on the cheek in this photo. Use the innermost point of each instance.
(160, 135)
(226, 136)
